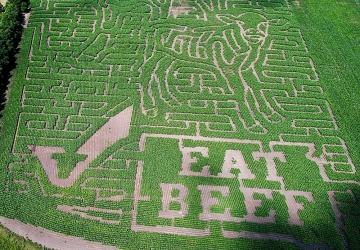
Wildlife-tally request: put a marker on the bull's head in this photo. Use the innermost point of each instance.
(253, 27)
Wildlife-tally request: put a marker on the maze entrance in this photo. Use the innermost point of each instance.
(175, 124)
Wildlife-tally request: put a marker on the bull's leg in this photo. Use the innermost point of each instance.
(251, 104)
(249, 73)
(263, 105)
(246, 101)
(148, 86)
(165, 70)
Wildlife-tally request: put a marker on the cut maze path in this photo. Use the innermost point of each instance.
(149, 124)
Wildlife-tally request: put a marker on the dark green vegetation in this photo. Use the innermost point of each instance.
(83, 62)
(10, 34)
(10, 241)
(1, 9)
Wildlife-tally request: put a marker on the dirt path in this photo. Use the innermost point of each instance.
(49, 238)
(178, 8)
(26, 19)
(116, 128)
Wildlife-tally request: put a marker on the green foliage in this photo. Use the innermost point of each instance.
(10, 34)
(10, 241)
(82, 62)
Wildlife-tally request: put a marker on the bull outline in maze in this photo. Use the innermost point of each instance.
(254, 35)
(250, 30)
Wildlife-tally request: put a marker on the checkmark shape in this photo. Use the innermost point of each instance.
(116, 128)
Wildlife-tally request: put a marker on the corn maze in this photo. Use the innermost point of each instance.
(175, 124)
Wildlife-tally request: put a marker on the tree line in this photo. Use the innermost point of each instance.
(11, 19)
